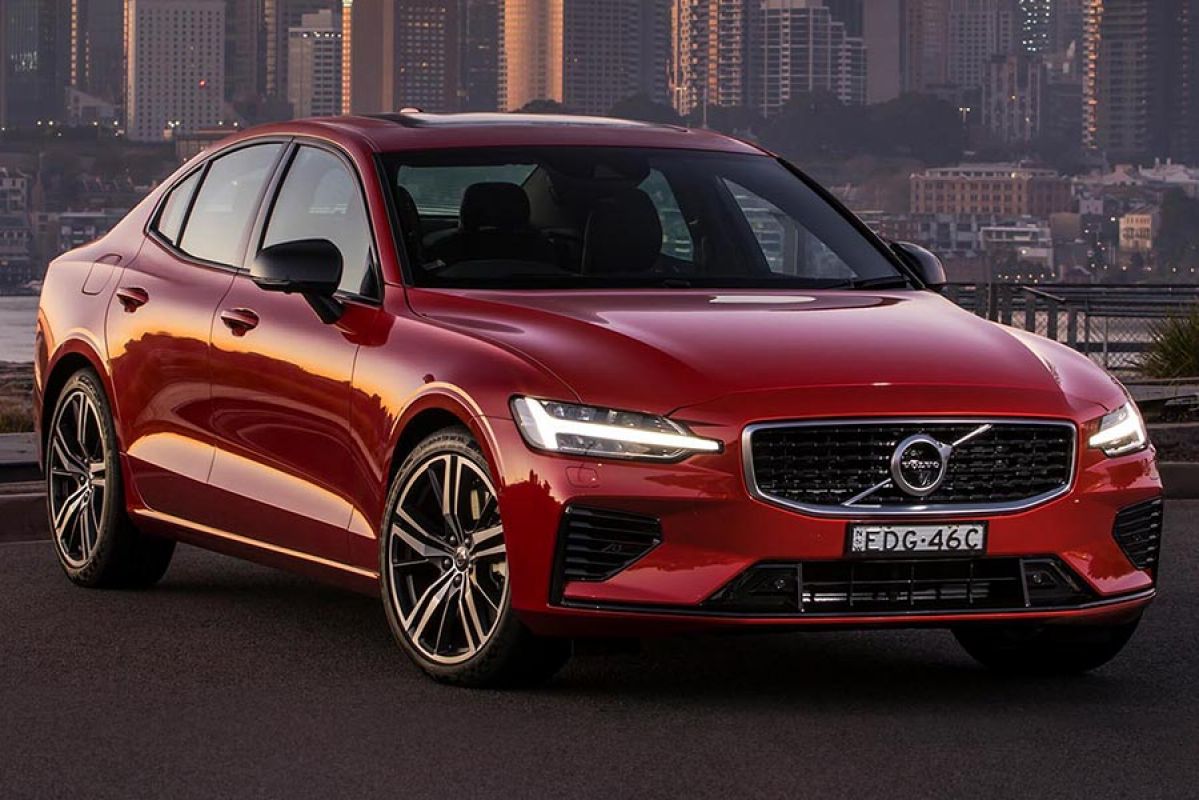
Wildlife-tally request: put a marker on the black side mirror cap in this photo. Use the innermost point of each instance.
(310, 267)
(925, 263)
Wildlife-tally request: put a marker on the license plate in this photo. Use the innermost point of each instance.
(900, 540)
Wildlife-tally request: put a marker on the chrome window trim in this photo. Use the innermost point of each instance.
(915, 510)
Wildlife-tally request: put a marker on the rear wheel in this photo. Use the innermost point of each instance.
(1045, 649)
(444, 572)
(97, 545)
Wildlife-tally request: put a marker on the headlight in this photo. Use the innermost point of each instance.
(604, 432)
(1121, 432)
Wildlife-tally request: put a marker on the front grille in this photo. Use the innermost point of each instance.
(1138, 530)
(901, 587)
(595, 544)
(822, 466)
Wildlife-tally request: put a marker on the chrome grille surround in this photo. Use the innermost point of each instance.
(931, 506)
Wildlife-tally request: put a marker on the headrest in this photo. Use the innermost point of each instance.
(624, 234)
(494, 205)
(410, 224)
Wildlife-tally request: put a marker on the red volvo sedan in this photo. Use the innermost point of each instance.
(531, 379)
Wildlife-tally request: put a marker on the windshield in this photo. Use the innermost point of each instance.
(563, 217)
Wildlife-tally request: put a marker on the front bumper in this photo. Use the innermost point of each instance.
(713, 531)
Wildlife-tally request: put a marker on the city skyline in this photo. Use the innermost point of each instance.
(1089, 73)
(1020, 139)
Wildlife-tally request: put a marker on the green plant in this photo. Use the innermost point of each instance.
(1175, 349)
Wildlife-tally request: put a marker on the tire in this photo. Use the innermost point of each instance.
(444, 579)
(96, 543)
(1046, 649)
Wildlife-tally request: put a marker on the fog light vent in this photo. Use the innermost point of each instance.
(1138, 530)
(598, 543)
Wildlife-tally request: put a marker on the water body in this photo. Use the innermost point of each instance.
(18, 319)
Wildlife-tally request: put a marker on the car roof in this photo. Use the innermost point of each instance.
(414, 130)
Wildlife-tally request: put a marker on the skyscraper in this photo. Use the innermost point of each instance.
(1132, 92)
(36, 64)
(587, 54)
(278, 18)
(924, 45)
(882, 35)
(480, 71)
(314, 65)
(799, 48)
(245, 51)
(97, 41)
(710, 54)
(851, 14)
(175, 74)
(404, 54)
(1035, 23)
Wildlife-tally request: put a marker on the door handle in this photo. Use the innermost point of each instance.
(239, 320)
(132, 298)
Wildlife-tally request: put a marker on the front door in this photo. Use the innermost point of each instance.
(281, 378)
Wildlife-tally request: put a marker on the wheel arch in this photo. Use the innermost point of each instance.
(440, 407)
(72, 357)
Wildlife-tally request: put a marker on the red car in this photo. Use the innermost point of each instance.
(532, 379)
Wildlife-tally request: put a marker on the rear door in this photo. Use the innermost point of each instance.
(159, 325)
(281, 377)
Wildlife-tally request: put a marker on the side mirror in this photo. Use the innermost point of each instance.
(927, 265)
(309, 267)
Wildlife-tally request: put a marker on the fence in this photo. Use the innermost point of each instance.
(1111, 324)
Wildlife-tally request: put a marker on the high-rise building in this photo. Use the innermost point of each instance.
(404, 55)
(710, 54)
(799, 48)
(278, 18)
(97, 48)
(1013, 99)
(314, 65)
(851, 14)
(36, 64)
(531, 57)
(1135, 93)
(924, 45)
(175, 74)
(882, 35)
(978, 31)
(245, 52)
(480, 71)
(1035, 23)
(1065, 25)
(586, 54)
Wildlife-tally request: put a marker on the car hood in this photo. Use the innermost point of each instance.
(659, 351)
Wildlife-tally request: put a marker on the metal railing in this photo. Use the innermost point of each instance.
(1111, 324)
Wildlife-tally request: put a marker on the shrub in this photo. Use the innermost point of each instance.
(1175, 349)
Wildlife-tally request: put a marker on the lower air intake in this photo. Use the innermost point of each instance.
(901, 586)
(1138, 530)
(597, 543)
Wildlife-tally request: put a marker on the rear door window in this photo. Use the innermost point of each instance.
(227, 203)
(174, 208)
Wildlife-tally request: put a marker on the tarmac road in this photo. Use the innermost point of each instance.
(230, 680)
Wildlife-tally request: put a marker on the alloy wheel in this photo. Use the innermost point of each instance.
(77, 475)
(447, 558)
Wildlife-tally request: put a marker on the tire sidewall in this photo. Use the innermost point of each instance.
(459, 442)
(88, 382)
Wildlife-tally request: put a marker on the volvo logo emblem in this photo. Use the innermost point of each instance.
(919, 464)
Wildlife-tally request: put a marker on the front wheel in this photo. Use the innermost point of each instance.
(1045, 649)
(444, 572)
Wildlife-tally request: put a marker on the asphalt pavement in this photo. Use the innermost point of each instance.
(231, 680)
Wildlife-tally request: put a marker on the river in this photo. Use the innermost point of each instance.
(18, 318)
